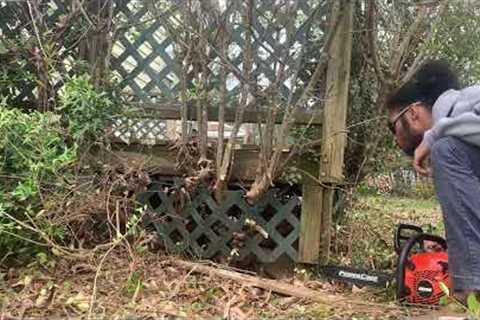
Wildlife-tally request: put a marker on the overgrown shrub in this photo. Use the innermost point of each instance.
(39, 152)
(86, 111)
(34, 162)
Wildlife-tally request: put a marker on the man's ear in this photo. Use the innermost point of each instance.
(414, 112)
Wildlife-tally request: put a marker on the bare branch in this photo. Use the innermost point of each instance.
(244, 96)
(322, 62)
(275, 163)
(420, 58)
(184, 63)
(400, 52)
(371, 34)
(223, 100)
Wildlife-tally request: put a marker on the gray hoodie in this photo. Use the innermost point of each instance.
(464, 120)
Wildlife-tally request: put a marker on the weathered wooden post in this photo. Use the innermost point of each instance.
(94, 47)
(317, 207)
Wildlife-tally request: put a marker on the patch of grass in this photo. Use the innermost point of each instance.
(390, 211)
(134, 283)
(365, 236)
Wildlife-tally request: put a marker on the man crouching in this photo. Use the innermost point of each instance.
(431, 118)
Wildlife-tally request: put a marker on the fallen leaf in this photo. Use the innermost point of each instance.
(42, 298)
(256, 292)
(45, 295)
(356, 289)
(287, 301)
(79, 302)
(25, 282)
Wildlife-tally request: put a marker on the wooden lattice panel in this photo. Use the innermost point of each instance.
(144, 58)
(143, 55)
(206, 229)
(145, 131)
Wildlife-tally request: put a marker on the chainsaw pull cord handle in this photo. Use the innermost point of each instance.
(404, 254)
(399, 237)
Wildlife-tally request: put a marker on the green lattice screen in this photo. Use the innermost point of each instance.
(145, 62)
(143, 52)
(205, 229)
(144, 55)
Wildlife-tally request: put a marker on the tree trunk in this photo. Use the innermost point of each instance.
(221, 112)
(223, 174)
(94, 48)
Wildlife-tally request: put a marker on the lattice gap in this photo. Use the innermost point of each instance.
(145, 49)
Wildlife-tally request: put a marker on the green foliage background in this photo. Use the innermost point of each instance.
(455, 37)
(39, 152)
(35, 161)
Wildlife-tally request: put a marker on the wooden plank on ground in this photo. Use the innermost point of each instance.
(266, 284)
(283, 288)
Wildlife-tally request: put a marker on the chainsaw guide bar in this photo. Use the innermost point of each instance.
(358, 277)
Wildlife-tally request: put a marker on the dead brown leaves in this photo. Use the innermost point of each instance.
(156, 287)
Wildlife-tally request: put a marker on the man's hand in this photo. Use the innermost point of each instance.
(420, 159)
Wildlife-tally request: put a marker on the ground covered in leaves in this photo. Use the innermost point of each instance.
(155, 286)
(144, 285)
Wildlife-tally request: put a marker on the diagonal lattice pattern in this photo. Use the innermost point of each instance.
(144, 59)
(144, 131)
(145, 62)
(206, 229)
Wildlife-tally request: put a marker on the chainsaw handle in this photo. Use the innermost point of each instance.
(403, 258)
(399, 235)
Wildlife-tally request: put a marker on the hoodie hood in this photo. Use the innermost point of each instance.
(463, 122)
(462, 101)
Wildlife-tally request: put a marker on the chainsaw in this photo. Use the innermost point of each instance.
(419, 272)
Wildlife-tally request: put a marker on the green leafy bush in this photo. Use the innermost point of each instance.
(39, 152)
(86, 111)
(34, 159)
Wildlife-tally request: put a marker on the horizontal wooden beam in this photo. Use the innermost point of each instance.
(161, 159)
(171, 111)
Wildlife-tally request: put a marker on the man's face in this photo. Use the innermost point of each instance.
(408, 126)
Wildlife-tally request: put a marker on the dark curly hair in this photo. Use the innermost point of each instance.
(431, 80)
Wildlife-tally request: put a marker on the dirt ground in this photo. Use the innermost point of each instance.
(145, 285)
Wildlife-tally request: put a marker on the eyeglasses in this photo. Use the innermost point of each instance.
(392, 125)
